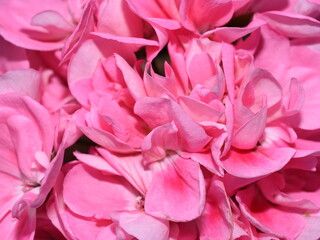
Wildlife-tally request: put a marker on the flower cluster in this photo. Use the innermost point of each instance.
(160, 119)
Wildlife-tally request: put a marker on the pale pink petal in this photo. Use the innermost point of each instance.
(200, 69)
(175, 188)
(260, 84)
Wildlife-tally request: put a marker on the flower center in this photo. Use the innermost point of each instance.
(140, 203)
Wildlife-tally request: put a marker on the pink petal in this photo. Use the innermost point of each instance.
(261, 84)
(12, 57)
(311, 230)
(200, 111)
(267, 42)
(216, 219)
(248, 135)
(130, 167)
(177, 187)
(11, 191)
(119, 14)
(201, 68)
(83, 64)
(228, 67)
(307, 116)
(269, 218)
(204, 15)
(292, 25)
(231, 34)
(80, 33)
(132, 78)
(16, 23)
(26, 143)
(272, 188)
(23, 229)
(154, 111)
(205, 159)
(95, 162)
(100, 194)
(142, 226)
(262, 161)
(293, 96)
(159, 86)
(192, 136)
(156, 12)
(158, 142)
(53, 22)
(26, 82)
(87, 228)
